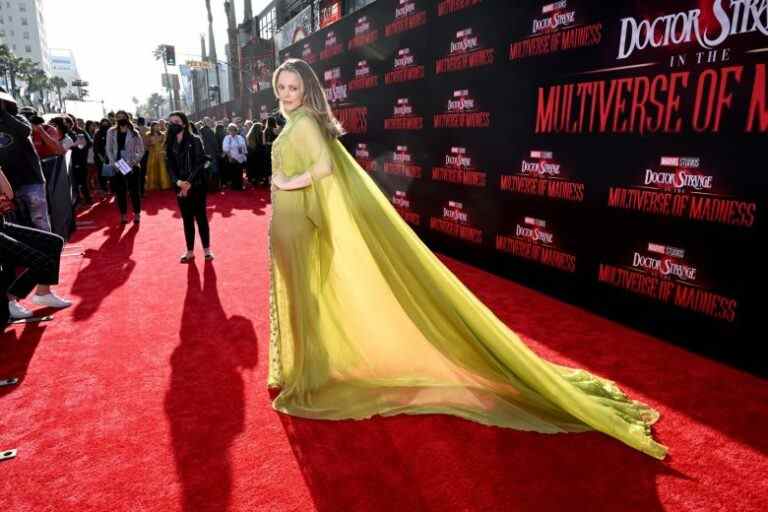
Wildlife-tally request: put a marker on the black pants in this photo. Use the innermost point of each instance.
(193, 209)
(37, 252)
(122, 183)
(143, 177)
(80, 173)
(234, 174)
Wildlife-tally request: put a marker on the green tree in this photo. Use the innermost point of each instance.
(14, 67)
(38, 82)
(57, 83)
(154, 103)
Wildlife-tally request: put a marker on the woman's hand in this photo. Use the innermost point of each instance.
(184, 187)
(278, 180)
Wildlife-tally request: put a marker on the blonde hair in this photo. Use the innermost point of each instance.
(314, 97)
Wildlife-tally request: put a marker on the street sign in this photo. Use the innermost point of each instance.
(198, 64)
(172, 79)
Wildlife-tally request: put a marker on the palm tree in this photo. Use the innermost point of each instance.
(57, 82)
(14, 67)
(37, 81)
(155, 102)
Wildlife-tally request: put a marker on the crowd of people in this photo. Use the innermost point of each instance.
(120, 156)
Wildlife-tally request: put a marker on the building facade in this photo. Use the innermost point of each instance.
(63, 65)
(22, 29)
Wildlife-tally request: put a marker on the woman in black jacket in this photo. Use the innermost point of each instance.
(187, 164)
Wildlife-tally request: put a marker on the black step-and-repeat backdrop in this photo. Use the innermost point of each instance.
(610, 152)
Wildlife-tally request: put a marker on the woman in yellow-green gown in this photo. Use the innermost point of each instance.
(365, 320)
(157, 174)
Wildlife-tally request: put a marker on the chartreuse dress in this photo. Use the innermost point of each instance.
(365, 320)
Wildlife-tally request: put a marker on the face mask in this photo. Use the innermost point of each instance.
(175, 129)
(122, 122)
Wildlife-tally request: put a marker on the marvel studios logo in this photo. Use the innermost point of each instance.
(531, 221)
(667, 250)
(681, 161)
(554, 7)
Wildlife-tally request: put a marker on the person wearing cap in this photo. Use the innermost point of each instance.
(21, 164)
(26, 184)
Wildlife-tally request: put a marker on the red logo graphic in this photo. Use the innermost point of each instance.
(333, 47)
(457, 168)
(557, 17)
(353, 119)
(363, 77)
(363, 157)
(557, 30)
(533, 241)
(451, 6)
(407, 17)
(308, 54)
(335, 88)
(404, 117)
(465, 52)
(404, 207)
(540, 175)
(402, 164)
(662, 273)
(455, 222)
(405, 68)
(365, 33)
(462, 112)
(678, 188)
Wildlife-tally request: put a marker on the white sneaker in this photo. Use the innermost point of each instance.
(51, 300)
(17, 311)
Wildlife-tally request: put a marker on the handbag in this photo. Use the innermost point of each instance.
(107, 170)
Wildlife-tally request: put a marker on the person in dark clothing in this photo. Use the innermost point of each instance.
(187, 163)
(221, 162)
(125, 143)
(255, 165)
(79, 162)
(99, 151)
(141, 126)
(271, 131)
(211, 146)
(22, 165)
(38, 253)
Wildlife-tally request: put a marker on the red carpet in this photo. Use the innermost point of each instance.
(149, 395)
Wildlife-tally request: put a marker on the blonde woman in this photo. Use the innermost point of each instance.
(365, 320)
(157, 173)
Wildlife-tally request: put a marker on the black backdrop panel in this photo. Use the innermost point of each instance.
(609, 153)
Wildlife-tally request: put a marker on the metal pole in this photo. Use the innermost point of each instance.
(168, 78)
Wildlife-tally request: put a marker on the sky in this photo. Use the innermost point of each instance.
(113, 40)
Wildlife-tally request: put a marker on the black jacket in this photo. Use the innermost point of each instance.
(18, 157)
(80, 156)
(210, 142)
(186, 161)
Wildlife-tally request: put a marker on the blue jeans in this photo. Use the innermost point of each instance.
(33, 203)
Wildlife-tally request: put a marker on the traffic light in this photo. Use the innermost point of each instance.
(170, 55)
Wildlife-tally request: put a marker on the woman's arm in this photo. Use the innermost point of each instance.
(199, 159)
(309, 139)
(5, 186)
(110, 147)
(139, 153)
